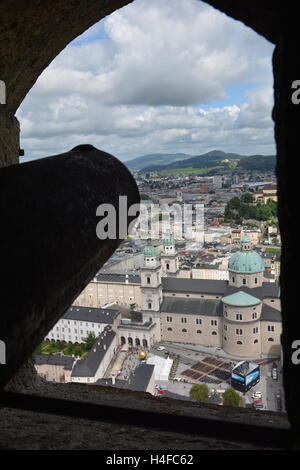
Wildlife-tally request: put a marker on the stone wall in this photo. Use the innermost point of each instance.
(28, 430)
(9, 138)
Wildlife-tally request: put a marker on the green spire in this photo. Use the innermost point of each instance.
(149, 249)
(168, 240)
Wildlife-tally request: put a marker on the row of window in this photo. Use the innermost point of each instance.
(245, 280)
(198, 321)
(239, 316)
(201, 296)
(184, 330)
(255, 341)
(75, 322)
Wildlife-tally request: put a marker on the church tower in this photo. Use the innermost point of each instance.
(242, 309)
(151, 288)
(246, 267)
(169, 257)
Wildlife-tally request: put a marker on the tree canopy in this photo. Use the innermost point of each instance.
(199, 392)
(238, 209)
(231, 397)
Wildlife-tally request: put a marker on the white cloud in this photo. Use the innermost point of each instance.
(148, 84)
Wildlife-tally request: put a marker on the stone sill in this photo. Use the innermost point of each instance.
(27, 430)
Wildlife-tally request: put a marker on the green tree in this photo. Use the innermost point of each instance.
(231, 397)
(199, 392)
(234, 203)
(248, 198)
(89, 341)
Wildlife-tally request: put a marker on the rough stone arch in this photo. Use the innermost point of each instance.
(32, 36)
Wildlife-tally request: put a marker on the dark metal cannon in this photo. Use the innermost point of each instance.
(49, 249)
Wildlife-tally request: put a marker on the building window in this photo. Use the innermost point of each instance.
(199, 332)
(238, 331)
(244, 281)
(149, 305)
(255, 341)
(183, 330)
(255, 330)
(233, 279)
(239, 316)
(239, 342)
(183, 320)
(213, 332)
(167, 266)
(255, 280)
(169, 319)
(148, 280)
(225, 338)
(198, 321)
(213, 322)
(270, 328)
(170, 329)
(225, 327)
(270, 339)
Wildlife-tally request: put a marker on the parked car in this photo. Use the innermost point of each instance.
(161, 348)
(258, 405)
(257, 402)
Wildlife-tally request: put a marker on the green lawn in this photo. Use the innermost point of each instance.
(54, 347)
(273, 250)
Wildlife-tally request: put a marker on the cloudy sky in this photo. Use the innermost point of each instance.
(155, 76)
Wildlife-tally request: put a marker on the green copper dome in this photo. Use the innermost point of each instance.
(150, 250)
(246, 262)
(241, 299)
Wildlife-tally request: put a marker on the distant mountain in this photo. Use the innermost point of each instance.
(218, 161)
(155, 159)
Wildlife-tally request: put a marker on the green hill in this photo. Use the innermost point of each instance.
(216, 161)
(155, 159)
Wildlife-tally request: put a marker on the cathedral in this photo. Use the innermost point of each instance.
(242, 315)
